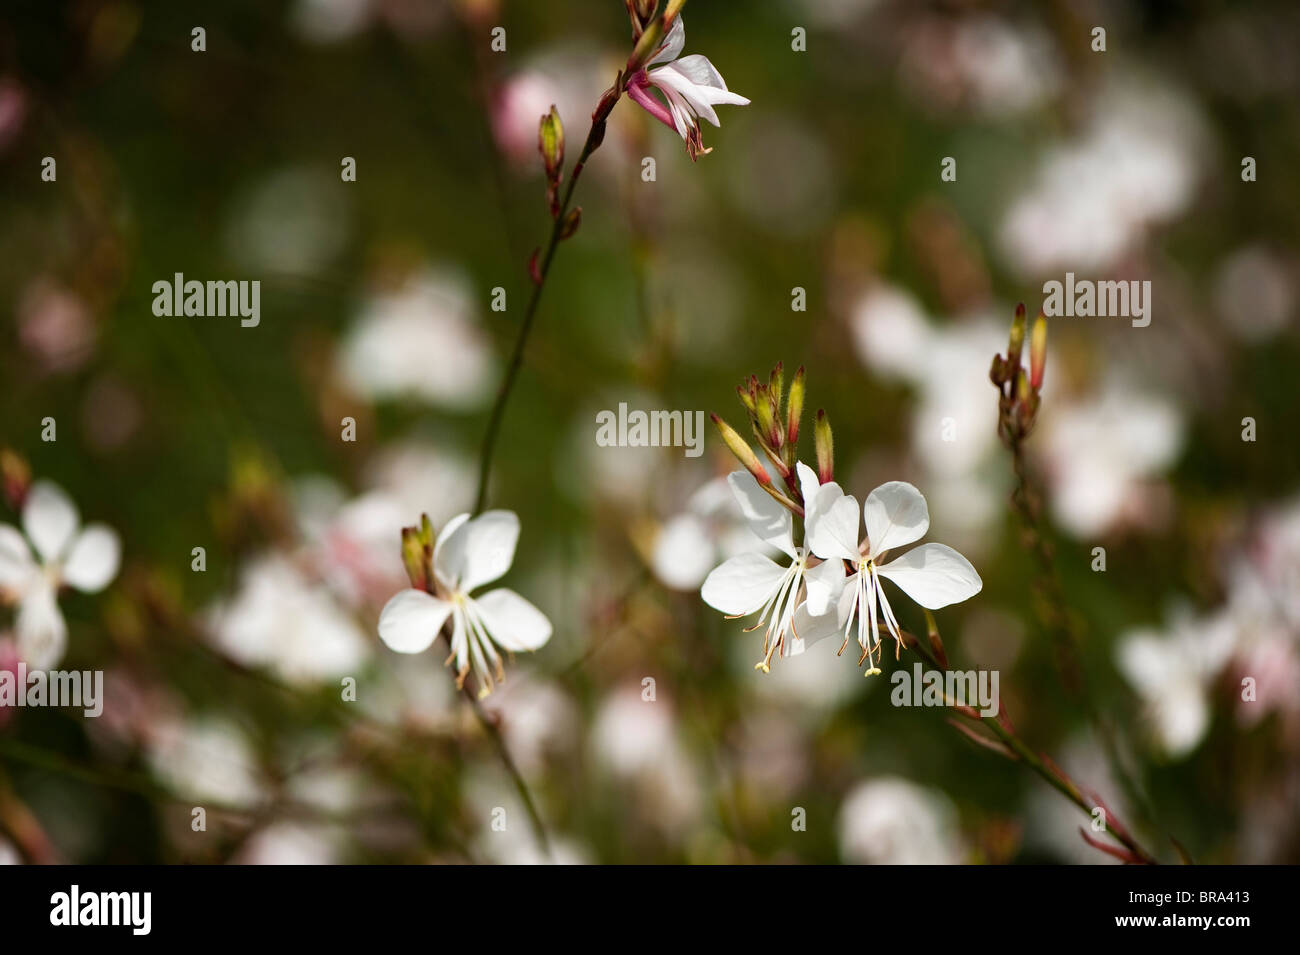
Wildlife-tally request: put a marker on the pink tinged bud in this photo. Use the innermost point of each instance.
(1038, 352)
(534, 268)
(776, 384)
(794, 409)
(825, 444)
(998, 371)
(746, 399)
(741, 449)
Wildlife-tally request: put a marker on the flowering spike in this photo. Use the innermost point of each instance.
(741, 449)
(1038, 352)
(825, 448)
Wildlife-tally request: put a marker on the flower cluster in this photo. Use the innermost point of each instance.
(834, 583)
(1019, 393)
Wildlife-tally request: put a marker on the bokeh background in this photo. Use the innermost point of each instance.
(223, 687)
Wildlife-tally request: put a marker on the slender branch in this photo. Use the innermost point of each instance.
(594, 138)
(1003, 729)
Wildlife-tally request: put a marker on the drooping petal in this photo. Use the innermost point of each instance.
(825, 583)
(16, 563)
(770, 521)
(934, 575)
(831, 526)
(94, 559)
(511, 621)
(40, 628)
(50, 519)
(477, 551)
(699, 81)
(813, 629)
(673, 44)
(895, 514)
(741, 585)
(410, 621)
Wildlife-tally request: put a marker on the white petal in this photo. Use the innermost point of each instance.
(813, 629)
(825, 583)
(41, 630)
(94, 559)
(16, 564)
(477, 551)
(742, 584)
(809, 483)
(673, 44)
(934, 575)
(50, 519)
(770, 521)
(511, 621)
(831, 527)
(895, 515)
(410, 621)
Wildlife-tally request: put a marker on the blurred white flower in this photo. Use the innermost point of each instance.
(280, 620)
(329, 21)
(469, 553)
(892, 821)
(1103, 453)
(294, 221)
(753, 582)
(692, 543)
(1134, 166)
(952, 425)
(691, 85)
(637, 741)
(289, 842)
(1172, 672)
(207, 758)
(421, 342)
(60, 552)
(536, 718)
(895, 515)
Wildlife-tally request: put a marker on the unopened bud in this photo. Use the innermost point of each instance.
(571, 223)
(1023, 393)
(776, 384)
(1038, 352)
(746, 399)
(413, 557)
(998, 371)
(550, 143)
(794, 409)
(765, 416)
(825, 448)
(741, 449)
(646, 45)
(15, 478)
(1017, 341)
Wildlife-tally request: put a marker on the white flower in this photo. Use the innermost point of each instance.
(1172, 673)
(893, 821)
(58, 554)
(895, 514)
(753, 582)
(691, 85)
(469, 553)
(690, 544)
(282, 620)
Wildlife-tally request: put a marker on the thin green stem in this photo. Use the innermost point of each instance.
(594, 138)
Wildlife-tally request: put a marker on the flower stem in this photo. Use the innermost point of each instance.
(594, 138)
